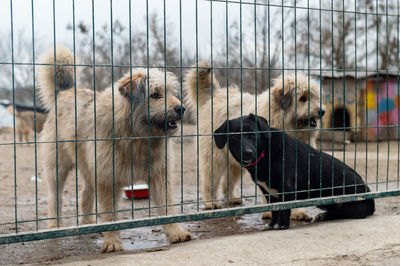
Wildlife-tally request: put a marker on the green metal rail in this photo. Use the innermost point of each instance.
(300, 57)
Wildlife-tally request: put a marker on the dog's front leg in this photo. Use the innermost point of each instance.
(106, 196)
(175, 233)
(281, 219)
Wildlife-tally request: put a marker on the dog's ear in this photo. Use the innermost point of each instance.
(263, 125)
(220, 139)
(282, 95)
(133, 87)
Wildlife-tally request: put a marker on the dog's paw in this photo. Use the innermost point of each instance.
(266, 215)
(212, 205)
(282, 227)
(112, 245)
(180, 236)
(321, 217)
(299, 215)
(269, 227)
(88, 220)
(51, 224)
(234, 202)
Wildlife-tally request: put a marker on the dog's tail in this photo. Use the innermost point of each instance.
(55, 75)
(197, 83)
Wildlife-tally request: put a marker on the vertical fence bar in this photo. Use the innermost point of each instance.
(355, 87)
(131, 103)
(344, 99)
(255, 84)
(14, 109)
(181, 93)
(94, 109)
(295, 96)
(241, 101)
(320, 100)
(398, 90)
(283, 93)
(377, 93)
(333, 95)
(388, 128)
(34, 114)
(310, 131)
(269, 100)
(197, 114)
(227, 94)
(212, 103)
(366, 94)
(148, 102)
(76, 118)
(55, 112)
(165, 107)
(113, 104)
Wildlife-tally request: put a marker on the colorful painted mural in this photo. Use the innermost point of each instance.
(381, 100)
(372, 104)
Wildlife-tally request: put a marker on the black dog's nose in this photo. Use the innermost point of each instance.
(179, 109)
(248, 153)
(321, 112)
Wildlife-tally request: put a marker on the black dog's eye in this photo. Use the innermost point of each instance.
(303, 99)
(155, 95)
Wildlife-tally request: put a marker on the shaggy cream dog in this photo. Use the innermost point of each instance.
(292, 103)
(25, 123)
(123, 111)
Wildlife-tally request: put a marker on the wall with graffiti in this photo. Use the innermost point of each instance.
(372, 105)
(382, 108)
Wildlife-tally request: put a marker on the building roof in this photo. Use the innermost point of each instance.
(359, 74)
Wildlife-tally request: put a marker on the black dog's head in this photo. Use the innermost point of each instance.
(247, 137)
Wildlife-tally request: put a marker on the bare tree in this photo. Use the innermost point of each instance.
(20, 75)
(136, 50)
(260, 57)
(335, 34)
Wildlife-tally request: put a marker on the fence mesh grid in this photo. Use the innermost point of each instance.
(349, 48)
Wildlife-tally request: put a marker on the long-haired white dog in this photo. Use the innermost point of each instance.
(131, 113)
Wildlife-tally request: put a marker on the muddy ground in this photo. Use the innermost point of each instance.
(382, 173)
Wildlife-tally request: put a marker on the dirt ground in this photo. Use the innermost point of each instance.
(382, 173)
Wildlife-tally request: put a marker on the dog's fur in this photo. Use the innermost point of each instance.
(126, 105)
(25, 123)
(291, 93)
(276, 156)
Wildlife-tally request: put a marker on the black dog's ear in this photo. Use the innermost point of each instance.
(263, 125)
(133, 88)
(220, 139)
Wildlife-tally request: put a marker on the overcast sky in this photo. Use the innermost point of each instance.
(43, 18)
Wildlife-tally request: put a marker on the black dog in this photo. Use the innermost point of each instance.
(318, 174)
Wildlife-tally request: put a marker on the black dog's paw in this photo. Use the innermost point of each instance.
(276, 227)
(269, 227)
(282, 227)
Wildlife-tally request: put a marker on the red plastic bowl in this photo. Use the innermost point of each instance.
(137, 191)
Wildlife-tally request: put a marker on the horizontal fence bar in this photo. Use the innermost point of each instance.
(208, 135)
(373, 72)
(304, 8)
(121, 225)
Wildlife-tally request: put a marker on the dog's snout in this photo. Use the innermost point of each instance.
(321, 112)
(248, 153)
(179, 109)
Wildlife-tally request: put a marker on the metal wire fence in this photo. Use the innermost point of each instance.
(350, 49)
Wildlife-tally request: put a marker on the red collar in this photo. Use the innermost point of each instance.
(262, 155)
